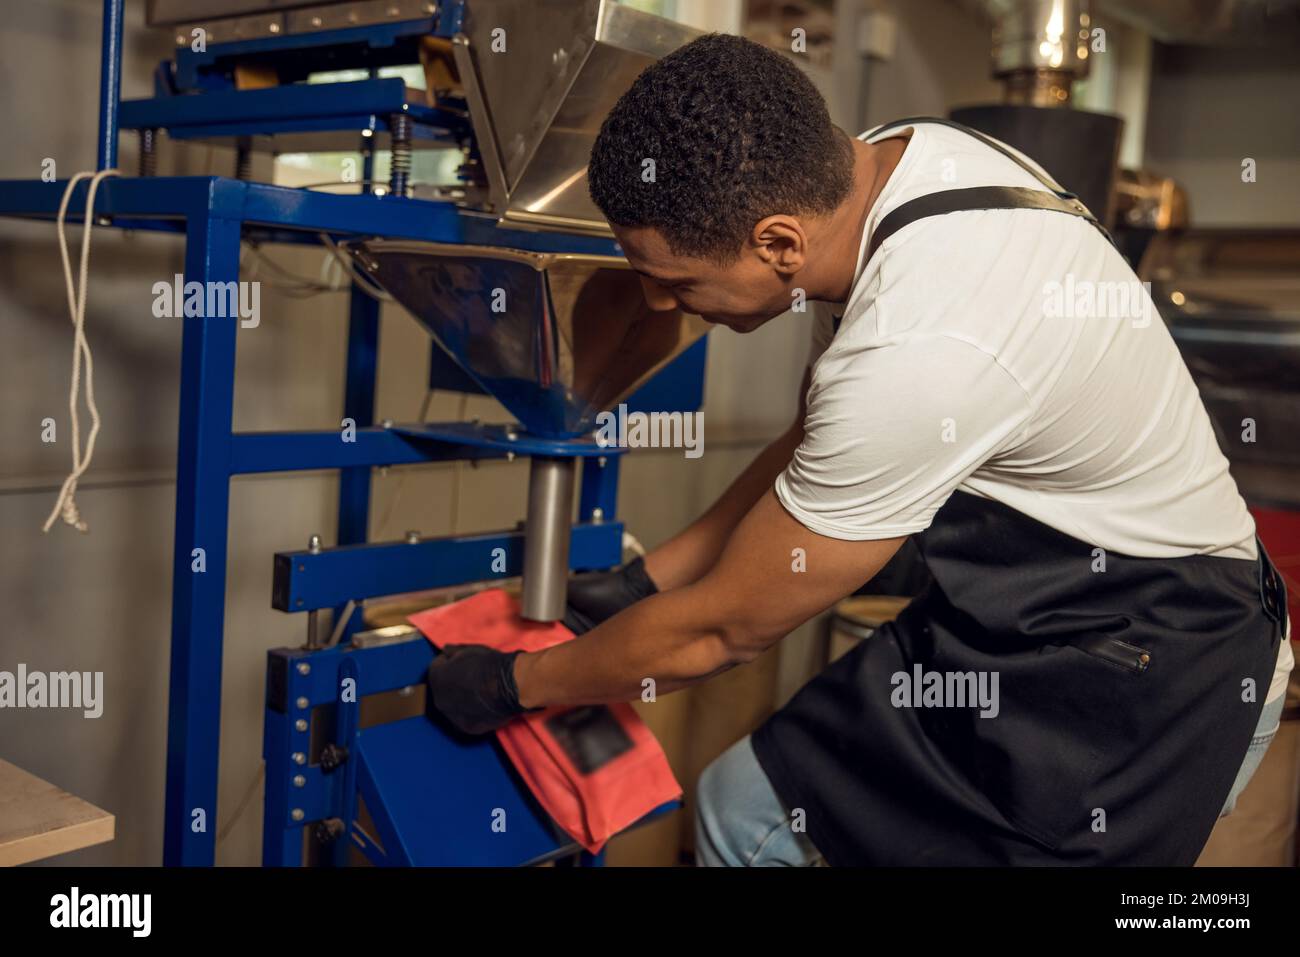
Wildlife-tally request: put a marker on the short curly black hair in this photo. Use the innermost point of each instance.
(737, 132)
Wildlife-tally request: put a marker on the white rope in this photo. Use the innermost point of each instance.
(66, 506)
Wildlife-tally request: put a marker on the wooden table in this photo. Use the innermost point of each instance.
(39, 820)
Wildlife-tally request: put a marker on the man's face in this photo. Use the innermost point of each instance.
(741, 295)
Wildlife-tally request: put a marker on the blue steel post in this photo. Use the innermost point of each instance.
(354, 483)
(359, 397)
(110, 84)
(347, 721)
(358, 405)
(599, 489)
(281, 844)
(199, 578)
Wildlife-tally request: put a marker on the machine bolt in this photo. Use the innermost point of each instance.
(597, 515)
(300, 725)
(329, 830)
(332, 756)
(299, 758)
(297, 814)
(299, 781)
(304, 668)
(512, 435)
(387, 423)
(413, 537)
(510, 456)
(313, 544)
(303, 703)
(601, 461)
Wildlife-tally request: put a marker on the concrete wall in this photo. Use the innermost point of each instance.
(941, 61)
(1212, 108)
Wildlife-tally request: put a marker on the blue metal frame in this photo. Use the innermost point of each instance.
(195, 70)
(344, 107)
(214, 213)
(308, 581)
(110, 85)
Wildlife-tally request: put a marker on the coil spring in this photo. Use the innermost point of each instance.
(148, 152)
(244, 163)
(399, 182)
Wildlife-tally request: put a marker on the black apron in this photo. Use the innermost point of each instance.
(1123, 695)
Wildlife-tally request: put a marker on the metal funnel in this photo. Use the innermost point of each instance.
(540, 76)
(555, 337)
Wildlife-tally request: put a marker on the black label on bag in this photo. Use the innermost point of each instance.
(591, 736)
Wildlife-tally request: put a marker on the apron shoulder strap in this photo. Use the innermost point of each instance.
(988, 141)
(973, 198)
(1058, 200)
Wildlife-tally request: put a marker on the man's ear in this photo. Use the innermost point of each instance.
(780, 242)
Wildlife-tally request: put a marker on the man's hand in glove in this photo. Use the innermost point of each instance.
(596, 597)
(473, 686)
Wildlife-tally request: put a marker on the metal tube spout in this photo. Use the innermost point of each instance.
(546, 537)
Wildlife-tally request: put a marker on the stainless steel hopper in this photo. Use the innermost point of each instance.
(556, 338)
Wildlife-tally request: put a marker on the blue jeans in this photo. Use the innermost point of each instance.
(740, 822)
(1265, 732)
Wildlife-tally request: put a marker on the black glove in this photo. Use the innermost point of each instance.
(593, 598)
(473, 686)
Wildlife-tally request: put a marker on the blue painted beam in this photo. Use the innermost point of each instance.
(324, 49)
(299, 101)
(199, 555)
(599, 489)
(254, 452)
(438, 134)
(110, 85)
(304, 581)
(358, 406)
(133, 202)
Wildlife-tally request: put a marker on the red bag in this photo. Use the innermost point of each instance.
(596, 770)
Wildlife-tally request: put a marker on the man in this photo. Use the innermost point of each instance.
(1094, 567)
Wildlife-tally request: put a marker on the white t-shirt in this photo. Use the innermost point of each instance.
(1010, 354)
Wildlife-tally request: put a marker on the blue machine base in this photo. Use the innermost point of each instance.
(436, 818)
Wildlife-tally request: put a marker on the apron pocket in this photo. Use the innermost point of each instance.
(1062, 714)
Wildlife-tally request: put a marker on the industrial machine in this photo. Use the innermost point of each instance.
(1040, 47)
(516, 89)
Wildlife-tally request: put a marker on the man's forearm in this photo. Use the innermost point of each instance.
(746, 603)
(667, 637)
